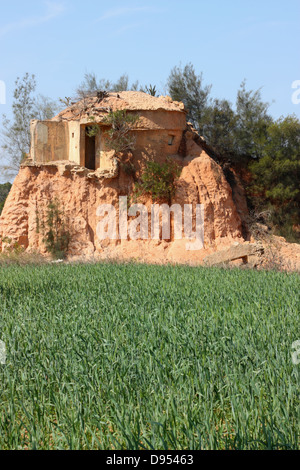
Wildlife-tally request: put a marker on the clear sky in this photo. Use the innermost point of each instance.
(227, 40)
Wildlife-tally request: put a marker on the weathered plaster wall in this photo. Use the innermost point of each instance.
(74, 142)
(158, 135)
(106, 156)
(155, 145)
(49, 141)
(160, 119)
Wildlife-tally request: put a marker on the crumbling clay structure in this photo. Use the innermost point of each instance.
(68, 165)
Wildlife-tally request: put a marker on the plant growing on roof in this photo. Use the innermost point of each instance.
(151, 90)
(120, 138)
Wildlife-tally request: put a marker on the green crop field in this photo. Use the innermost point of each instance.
(144, 357)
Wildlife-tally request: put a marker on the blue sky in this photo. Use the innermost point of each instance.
(228, 41)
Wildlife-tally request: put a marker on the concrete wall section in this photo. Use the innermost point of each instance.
(74, 142)
(157, 145)
(158, 135)
(49, 141)
(159, 120)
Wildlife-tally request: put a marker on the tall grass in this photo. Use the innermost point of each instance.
(147, 357)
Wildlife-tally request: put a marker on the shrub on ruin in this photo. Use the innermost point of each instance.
(120, 136)
(158, 180)
(56, 231)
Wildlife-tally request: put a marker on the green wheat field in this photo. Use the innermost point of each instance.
(114, 356)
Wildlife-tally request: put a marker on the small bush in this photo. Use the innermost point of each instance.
(56, 231)
(151, 90)
(129, 169)
(158, 180)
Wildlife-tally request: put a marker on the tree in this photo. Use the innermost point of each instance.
(91, 85)
(276, 175)
(238, 135)
(122, 84)
(186, 86)
(45, 108)
(4, 190)
(16, 132)
(252, 124)
(219, 128)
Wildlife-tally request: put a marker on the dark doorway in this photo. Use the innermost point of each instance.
(90, 152)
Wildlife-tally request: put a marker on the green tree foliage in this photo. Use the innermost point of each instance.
(248, 138)
(56, 230)
(252, 123)
(238, 134)
(91, 85)
(16, 132)
(45, 108)
(219, 128)
(120, 138)
(276, 174)
(4, 190)
(186, 86)
(158, 180)
(122, 84)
